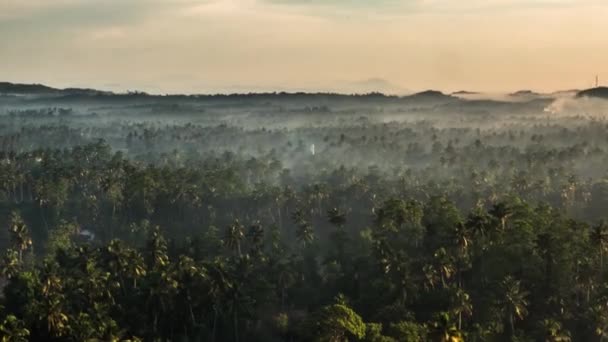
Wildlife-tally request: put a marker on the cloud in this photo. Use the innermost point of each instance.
(112, 32)
(12, 9)
(402, 7)
(61, 13)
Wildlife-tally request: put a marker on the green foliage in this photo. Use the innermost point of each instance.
(60, 238)
(199, 233)
(336, 322)
(13, 330)
(408, 331)
(373, 333)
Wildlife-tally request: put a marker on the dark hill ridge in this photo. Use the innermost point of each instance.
(465, 92)
(40, 89)
(21, 88)
(75, 94)
(524, 93)
(431, 94)
(599, 92)
(424, 99)
(13, 88)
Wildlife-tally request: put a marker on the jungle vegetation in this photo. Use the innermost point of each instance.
(431, 218)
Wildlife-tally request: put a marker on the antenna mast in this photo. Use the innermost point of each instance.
(597, 81)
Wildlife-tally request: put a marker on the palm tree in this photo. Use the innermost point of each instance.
(113, 185)
(554, 332)
(462, 306)
(256, 236)
(461, 238)
(219, 286)
(123, 263)
(19, 234)
(136, 267)
(444, 264)
(339, 237)
(234, 235)
(479, 222)
(445, 330)
(501, 211)
(318, 193)
(190, 279)
(513, 302)
(10, 263)
(599, 237)
(545, 247)
(236, 298)
(159, 298)
(305, 234)
(298, 217)
(156, 250)
(53, 300)
(304, 231)
(283, 275)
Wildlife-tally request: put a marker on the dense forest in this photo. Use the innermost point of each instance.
(302, 217)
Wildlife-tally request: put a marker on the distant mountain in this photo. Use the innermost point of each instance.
(464, 92)
(564, 93)
(16, 88)
(600, 92)
(40, 89)
(430, 95)
(85, 91)
(525, 93)
(428, 98)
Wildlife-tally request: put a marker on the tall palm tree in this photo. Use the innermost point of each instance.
(461, 306)
(461, 238)
(445, 329)
(479, 222)
(554, 331)
(219, 286)
(501, 211)
(304, 231)
(339, 237)
(599, 237)
(513, 302)
(19, 234)
(156, 250)
(256, 237)
(305, 234)
(233, 237)
(52, 305)
(123, 263)
(190, 279)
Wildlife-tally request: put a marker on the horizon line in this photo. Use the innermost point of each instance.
(295, 90)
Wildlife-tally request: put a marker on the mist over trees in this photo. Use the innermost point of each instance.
(428, 217)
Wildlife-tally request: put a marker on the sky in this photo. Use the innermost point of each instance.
(393, 46)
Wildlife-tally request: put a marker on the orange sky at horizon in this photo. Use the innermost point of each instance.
(207, 46)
